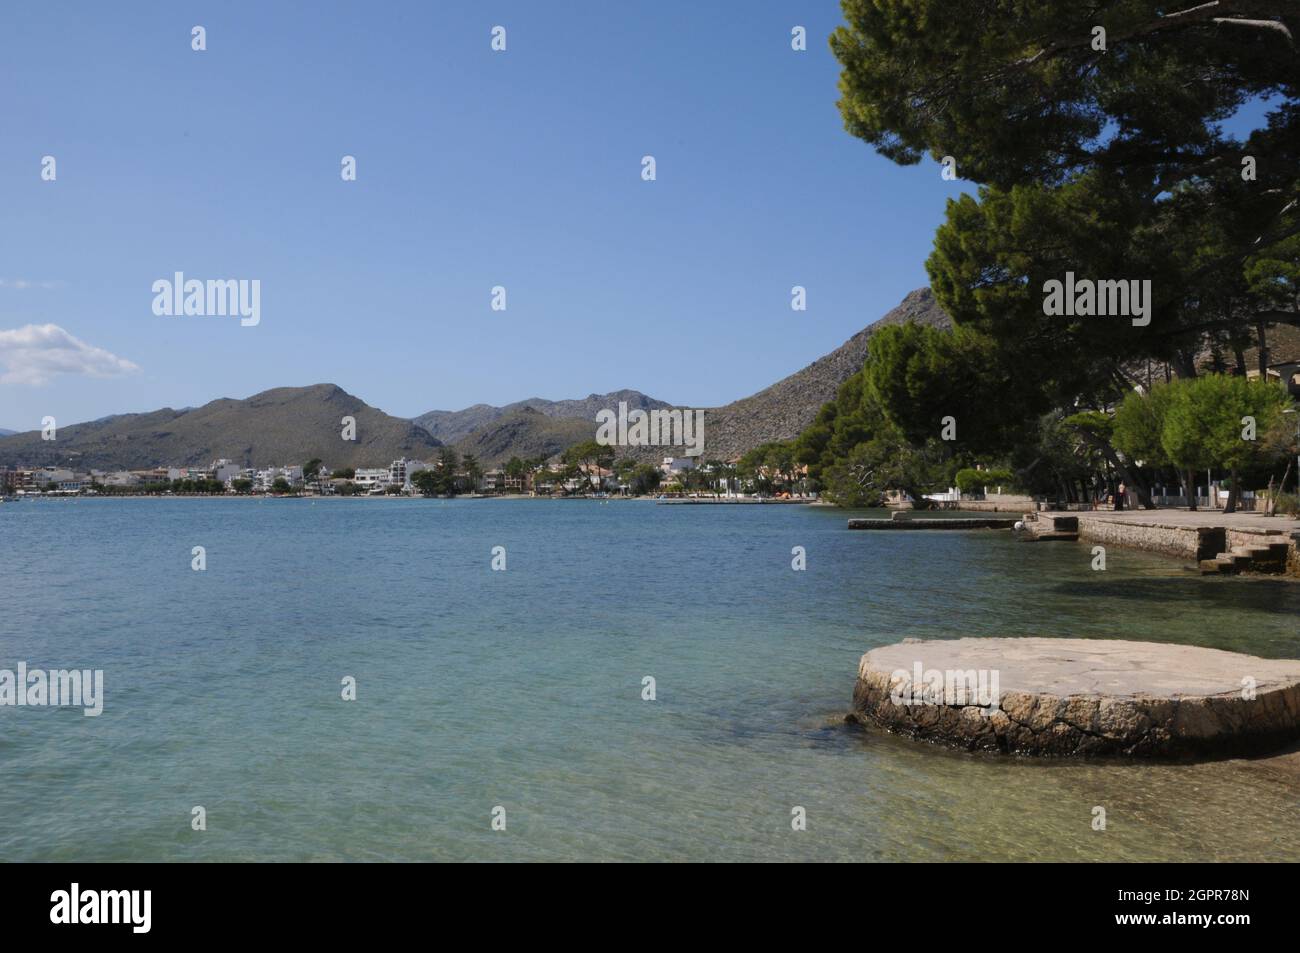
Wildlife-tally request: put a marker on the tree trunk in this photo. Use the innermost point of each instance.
(1239, 353)
(1137, 485)
(1189, 488)
(1263, 351)
(1233, 493)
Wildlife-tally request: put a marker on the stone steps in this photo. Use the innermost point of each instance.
(1045, 527)
(1269, 558)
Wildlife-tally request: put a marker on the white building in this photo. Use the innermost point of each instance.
(48, 475)
(401, 471)
(225, 471)
(371, 478)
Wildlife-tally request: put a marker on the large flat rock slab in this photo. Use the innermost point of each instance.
(1081, 697)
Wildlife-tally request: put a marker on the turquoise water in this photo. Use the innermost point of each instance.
(522, 689)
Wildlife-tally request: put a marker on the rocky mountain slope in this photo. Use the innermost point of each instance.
(282, 426)
(525, 433)
(782, 411)
(450, 426)
(779, 412)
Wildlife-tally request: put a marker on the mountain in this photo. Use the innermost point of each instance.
(451, 426)
(7, 433)
(280, 426)
(784, 410)
(525, 433)
(295, 424)
(779, 412)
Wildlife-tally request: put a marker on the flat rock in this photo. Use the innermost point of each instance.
(1081, 697)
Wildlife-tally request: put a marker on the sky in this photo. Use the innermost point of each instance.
(474, 169)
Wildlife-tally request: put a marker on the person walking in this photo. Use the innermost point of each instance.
(1119, 497)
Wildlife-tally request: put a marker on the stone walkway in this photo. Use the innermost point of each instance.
(1188, 519)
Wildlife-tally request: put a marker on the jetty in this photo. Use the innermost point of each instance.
(957, 522)
(1080, 697)
(730, 501)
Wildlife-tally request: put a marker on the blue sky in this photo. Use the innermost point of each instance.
(475, 169)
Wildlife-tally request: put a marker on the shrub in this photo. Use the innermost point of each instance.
(1286, 504)
(970, 480)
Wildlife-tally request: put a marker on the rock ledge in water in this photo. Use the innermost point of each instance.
(1081, 697)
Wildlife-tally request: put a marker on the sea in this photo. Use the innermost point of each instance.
(572, 680)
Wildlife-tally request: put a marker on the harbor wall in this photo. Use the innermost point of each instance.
(1185, 542)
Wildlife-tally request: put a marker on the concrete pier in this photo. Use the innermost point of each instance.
(1080, 697)
(977, 522)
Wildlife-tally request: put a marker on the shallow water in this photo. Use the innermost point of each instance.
(523, 688)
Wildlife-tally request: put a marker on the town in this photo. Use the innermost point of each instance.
(584, 470)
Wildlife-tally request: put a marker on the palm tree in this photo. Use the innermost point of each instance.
(469, 463)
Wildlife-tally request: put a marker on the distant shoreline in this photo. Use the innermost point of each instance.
(262, 497)
(250, 497)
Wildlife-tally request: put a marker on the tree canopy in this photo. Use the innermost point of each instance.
(1096, 136)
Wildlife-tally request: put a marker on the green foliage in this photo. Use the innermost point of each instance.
(920, 375)
(970, 480)
(943, 76)
(1203, 422)
(644, 479)
(589, 453)
(1286, 504)
(1139, 425)
(473, 472)
(198, 486)
(1112, 165)
(429, 482)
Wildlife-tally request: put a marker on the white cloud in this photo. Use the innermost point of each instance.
(33, 354)
(22, 284)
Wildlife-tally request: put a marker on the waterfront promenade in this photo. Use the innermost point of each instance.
(1188, 519)
(1215, 541)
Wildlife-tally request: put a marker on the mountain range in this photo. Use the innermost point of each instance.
(450, 426)
(295, 424)
(284, 425)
